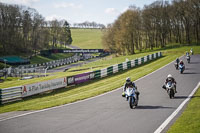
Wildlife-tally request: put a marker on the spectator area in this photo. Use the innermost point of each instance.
(14, 60)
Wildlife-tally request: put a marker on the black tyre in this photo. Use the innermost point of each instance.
(171, 93)
(181, 71)
(131, 104)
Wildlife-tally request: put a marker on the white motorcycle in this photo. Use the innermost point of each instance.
(170, 89)
(131, 96)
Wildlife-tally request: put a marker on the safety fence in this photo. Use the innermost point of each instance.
(17, 93)
(84, 77)
(52, 64)
(10, 94)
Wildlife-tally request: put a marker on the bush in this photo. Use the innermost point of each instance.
(2, 65)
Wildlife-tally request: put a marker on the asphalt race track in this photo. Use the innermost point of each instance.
(110, 113)
(66, 67)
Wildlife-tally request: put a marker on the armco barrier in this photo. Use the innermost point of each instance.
(10, 94)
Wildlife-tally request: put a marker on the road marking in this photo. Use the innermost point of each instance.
(167, 121)
(81, 100)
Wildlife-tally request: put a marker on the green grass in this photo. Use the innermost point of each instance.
(41, 59)
(108, 61)
(92, 88)
(189, 121)
(103, 63)
(87, 38)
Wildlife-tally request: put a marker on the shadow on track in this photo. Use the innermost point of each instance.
(152, 107)
(184, 97)
(190, 73)
(180, 97)
(194, 62)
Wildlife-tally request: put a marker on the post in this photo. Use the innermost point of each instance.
(5, 69)
(46, 71)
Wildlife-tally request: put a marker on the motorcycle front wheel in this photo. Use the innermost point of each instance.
(131, 102)
(171, 94)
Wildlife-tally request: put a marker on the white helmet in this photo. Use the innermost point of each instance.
(128, 80)
(169, 76)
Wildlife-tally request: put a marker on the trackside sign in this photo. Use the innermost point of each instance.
(80, 78)
(31, 89)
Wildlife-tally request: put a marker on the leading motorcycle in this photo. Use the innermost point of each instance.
(131, 96)
(170, 89)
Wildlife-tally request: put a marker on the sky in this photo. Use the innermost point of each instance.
(77, 11)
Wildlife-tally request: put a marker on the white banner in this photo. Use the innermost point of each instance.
(31, 89)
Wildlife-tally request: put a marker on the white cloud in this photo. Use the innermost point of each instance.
(68, 5)
(52, 17)
(111, 11)
(20, 2)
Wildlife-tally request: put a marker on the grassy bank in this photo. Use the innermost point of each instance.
(41, 59)
(189, 121)
(87, 38)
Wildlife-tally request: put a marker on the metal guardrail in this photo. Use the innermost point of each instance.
(10, 94)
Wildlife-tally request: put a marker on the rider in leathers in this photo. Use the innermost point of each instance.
(132, 85)
(170, 78)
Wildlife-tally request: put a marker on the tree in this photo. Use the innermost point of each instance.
(156, 25)
(67, 38)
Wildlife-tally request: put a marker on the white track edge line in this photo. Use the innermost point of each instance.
(167, 121)
(83, 99)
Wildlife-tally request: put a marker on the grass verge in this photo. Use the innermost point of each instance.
(92, 88)
(86, 90)
(189, 121)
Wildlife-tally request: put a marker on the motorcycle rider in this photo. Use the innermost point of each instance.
(170, 78)
(187, 53)
(181, 63)
(177, 60)
(132, 85)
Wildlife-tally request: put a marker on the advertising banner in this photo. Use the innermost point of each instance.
(31, 89)
(83, 50)
(80, 78)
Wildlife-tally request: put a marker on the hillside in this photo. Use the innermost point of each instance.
(87, 38)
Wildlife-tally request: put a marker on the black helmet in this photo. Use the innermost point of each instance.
(128, 80)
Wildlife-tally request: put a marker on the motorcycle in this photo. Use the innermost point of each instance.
(131, 96)
(181, 68)
(176, 65)
(188, 58)
(170, 89)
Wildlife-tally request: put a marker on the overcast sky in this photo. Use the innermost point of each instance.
(76, 11)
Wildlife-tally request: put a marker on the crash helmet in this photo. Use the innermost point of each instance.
(128, 80)
(181, 61)
(169, 76)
